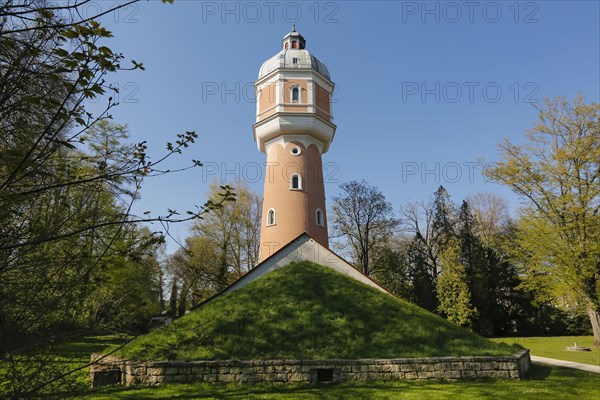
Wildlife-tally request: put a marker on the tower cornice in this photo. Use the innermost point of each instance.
(291, 123)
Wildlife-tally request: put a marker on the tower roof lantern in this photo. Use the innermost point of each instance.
(293, 40)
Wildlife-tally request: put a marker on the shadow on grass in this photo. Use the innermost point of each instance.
(540, 372)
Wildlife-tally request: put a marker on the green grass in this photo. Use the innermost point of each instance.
(78, 351)
(553, 347)
(307, 311)
(544, 383)
(52, 361)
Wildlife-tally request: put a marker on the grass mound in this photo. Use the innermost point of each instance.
(307, 311)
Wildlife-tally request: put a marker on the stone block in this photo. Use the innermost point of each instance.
(452, 374)
(227, 378)
(489, 365)
(438, 374)
(407, 368)
(281, 377)
(514, 374)
(155, 371)
(485, 374)
(456, 366)
(471, 366)
(467, 374)
(426, 367)
(389, 368)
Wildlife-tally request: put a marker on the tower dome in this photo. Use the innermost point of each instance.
(293, 55)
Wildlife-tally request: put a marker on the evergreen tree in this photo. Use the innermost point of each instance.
(473, 258)
(422, 277)
(444, 217)
(453, 292)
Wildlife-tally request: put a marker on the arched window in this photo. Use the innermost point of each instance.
(294, 44)
(296, 182)
(320, 220)
(271, 217)
(295, 95)
(286, 45)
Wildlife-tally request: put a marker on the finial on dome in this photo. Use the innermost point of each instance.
(293, 27)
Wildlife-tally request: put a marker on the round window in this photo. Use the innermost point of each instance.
(295, 150)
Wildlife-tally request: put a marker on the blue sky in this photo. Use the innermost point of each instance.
(424, 89)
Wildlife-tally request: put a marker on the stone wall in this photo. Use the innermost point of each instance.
(112, 370)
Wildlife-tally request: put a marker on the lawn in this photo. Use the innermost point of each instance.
(307, 311)
(544, 383)
(553, 347)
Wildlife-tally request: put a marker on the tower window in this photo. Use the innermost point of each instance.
(294, 60)
(294, 44)
(295, 95)
(296, 182)
(286, 45)
(271, 217)
(320, 220)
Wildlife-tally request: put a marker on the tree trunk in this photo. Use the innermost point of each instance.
(595, 320)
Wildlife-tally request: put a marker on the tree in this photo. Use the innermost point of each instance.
(67, 183)
(365, 219)
(392, 268)
(234, 230)
(197, 267)
(126, 291)
(557, 174)
(444, 218)
(454, 296)
(491, 214)
(222, 248)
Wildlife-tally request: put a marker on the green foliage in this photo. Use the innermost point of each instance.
(308, 311)
(72, 255)
(222, 248)
(558, 234)
(53, 363)
(452, 287)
